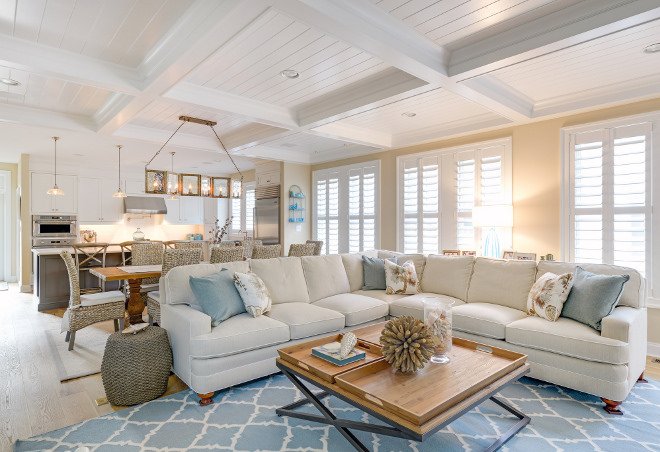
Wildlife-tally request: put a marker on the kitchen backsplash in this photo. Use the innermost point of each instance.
(153, 229)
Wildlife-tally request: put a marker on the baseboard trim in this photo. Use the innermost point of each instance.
(653, 349)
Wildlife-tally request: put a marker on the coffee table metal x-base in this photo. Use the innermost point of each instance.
(343, 425)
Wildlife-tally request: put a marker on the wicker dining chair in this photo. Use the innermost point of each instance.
(88, 256)
(171, 258)
(266, 251)
(222, 254)
(87, 309)
(147, 253)
(318, 246)
(302, 249)
(248, 246)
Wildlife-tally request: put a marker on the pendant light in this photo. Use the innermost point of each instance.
(119, 193)
(55, 190)
(173, 191)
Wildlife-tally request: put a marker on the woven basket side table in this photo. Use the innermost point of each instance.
(136, 367)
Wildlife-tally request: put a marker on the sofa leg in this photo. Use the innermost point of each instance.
(206, 399)
(611, 406)
(641, 379)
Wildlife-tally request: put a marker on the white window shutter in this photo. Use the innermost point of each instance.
(250, 203)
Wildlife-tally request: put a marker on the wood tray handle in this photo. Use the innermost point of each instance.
(303, 365)
(373, 399)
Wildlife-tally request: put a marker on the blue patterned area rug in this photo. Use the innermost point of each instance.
(243, 419)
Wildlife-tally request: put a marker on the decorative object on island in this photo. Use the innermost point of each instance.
(437, 317)
(296, 205)
(191, 184)
(119, 193)
(88, 235)
(138, 235)
(493, 218)
(220, 187)
(408, 344)
(218, 233)
(173, 187)
(55, 190)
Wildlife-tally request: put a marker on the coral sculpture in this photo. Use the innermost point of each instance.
(407, 343)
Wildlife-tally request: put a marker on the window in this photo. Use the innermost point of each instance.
(609, 194)
(242, 209)
(344, 216)
(438, 190)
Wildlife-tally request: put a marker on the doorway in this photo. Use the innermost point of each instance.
(5, 227)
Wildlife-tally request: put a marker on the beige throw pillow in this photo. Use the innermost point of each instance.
(548, 294)
(401, 279)
(253, 292)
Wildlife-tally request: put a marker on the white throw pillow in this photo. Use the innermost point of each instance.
(548, 294)
(253, 292)
(401, 279)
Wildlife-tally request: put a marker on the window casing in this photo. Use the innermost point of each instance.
(345, 207)
(437, 191)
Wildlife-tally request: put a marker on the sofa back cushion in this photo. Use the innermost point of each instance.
(506, 283)
(353, 266)
(634, 291)
(176, 283)
(325, 276)
(448, 275)
(283, 277)
(400, 258)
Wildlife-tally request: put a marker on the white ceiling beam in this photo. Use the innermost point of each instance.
(354, 134)
(18, 114)
(448, 130)
(288, 155)
(206, 26)
(575, 24)
(68, 66)
(495, 89)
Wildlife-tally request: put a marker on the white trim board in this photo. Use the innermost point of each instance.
(653, 349)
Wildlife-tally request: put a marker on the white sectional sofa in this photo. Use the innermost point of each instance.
(317, 295)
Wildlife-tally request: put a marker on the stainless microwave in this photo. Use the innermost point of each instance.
(60, 226)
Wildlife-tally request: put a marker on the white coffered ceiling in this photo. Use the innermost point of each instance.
(373, 74)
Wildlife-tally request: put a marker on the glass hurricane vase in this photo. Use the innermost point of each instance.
(437, 317)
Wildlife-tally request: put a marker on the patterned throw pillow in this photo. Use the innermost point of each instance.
(401, 279)
(253, 292)
(548, 294)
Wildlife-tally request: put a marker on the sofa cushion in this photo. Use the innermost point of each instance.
(381, 295)
(239, 334)
(567, 337)
(503, 282)
(484, 319)
(401, 278)
(414, 304)
(217, 296)
(356, 308)
(448, 275)
(307, 320)
(325, 276)
(284, 279)
(418, 259)
(176, 283)
(634, 294)
(353, 266)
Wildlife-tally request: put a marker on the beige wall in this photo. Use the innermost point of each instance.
(301, 175)
(25, 277)
(10, 197)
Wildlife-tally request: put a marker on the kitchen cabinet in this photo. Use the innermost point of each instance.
(97, 204)
(210, 210)
(134, 187)
(184, 210)
(43, 204)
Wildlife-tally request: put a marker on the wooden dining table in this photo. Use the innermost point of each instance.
(134, 274)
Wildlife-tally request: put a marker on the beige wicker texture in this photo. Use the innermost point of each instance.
(222, 254)
(230, 244)
(301, 249)
(318, 246)
(182, 244)
(78, 317)
(90, 255)
(266, 251)
(248, 246)
(147, 253)
(136, 367)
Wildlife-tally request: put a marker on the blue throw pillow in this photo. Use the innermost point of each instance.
(217, 295)
(593, 297)
(373, 270)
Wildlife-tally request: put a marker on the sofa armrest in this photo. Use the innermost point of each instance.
(624, 324)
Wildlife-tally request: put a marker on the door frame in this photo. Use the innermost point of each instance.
(5, 275)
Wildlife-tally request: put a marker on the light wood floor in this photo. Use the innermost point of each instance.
(32, 400)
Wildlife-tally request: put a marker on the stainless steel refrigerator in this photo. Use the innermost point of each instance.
(267, 213)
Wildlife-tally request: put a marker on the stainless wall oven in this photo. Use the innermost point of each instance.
(54, 230)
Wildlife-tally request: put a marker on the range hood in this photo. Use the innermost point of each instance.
(144, 205)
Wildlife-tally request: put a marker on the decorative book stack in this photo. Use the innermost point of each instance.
(331, 353)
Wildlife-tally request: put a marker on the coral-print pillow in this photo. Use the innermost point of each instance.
(253, 292)
(401, 278)
(548, 294)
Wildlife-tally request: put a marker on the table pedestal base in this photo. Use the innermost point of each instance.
(135, 303)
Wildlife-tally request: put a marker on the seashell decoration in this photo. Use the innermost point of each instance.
(348, 343)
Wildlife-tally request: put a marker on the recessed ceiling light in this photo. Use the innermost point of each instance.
(652, 48)
(409, 114)
(10, 81)
(290, 73)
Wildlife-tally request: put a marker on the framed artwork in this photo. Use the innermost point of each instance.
(468, 253)
(525, 256)
(205, 184)
(154, 182)
(173, 187)
(508, 255)
(190, 184)
(451, 252)
(220, 187)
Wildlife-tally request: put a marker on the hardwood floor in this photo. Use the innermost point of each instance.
(32, 399)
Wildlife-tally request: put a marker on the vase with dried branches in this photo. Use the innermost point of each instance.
(218, 233)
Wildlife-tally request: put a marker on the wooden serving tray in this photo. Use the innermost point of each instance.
(420, 396)
(301, 355)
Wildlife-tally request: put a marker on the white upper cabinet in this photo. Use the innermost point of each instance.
(134, 187)
(185, 210)
(43, 204)
(96, 204)
(172, 215)
(112, 209)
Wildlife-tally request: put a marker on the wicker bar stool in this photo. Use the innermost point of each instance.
(318, 246)
(266, 251)
(248, 246)
(88, 256)
(171, 258)
(301, 249)
(87, 309)
(222, 254)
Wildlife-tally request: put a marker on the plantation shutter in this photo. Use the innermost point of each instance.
(421, 205)
(465, 190)
(236, 209)
(249, 208)
(361, 209)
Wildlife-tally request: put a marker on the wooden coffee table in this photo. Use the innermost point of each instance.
(415, 406)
